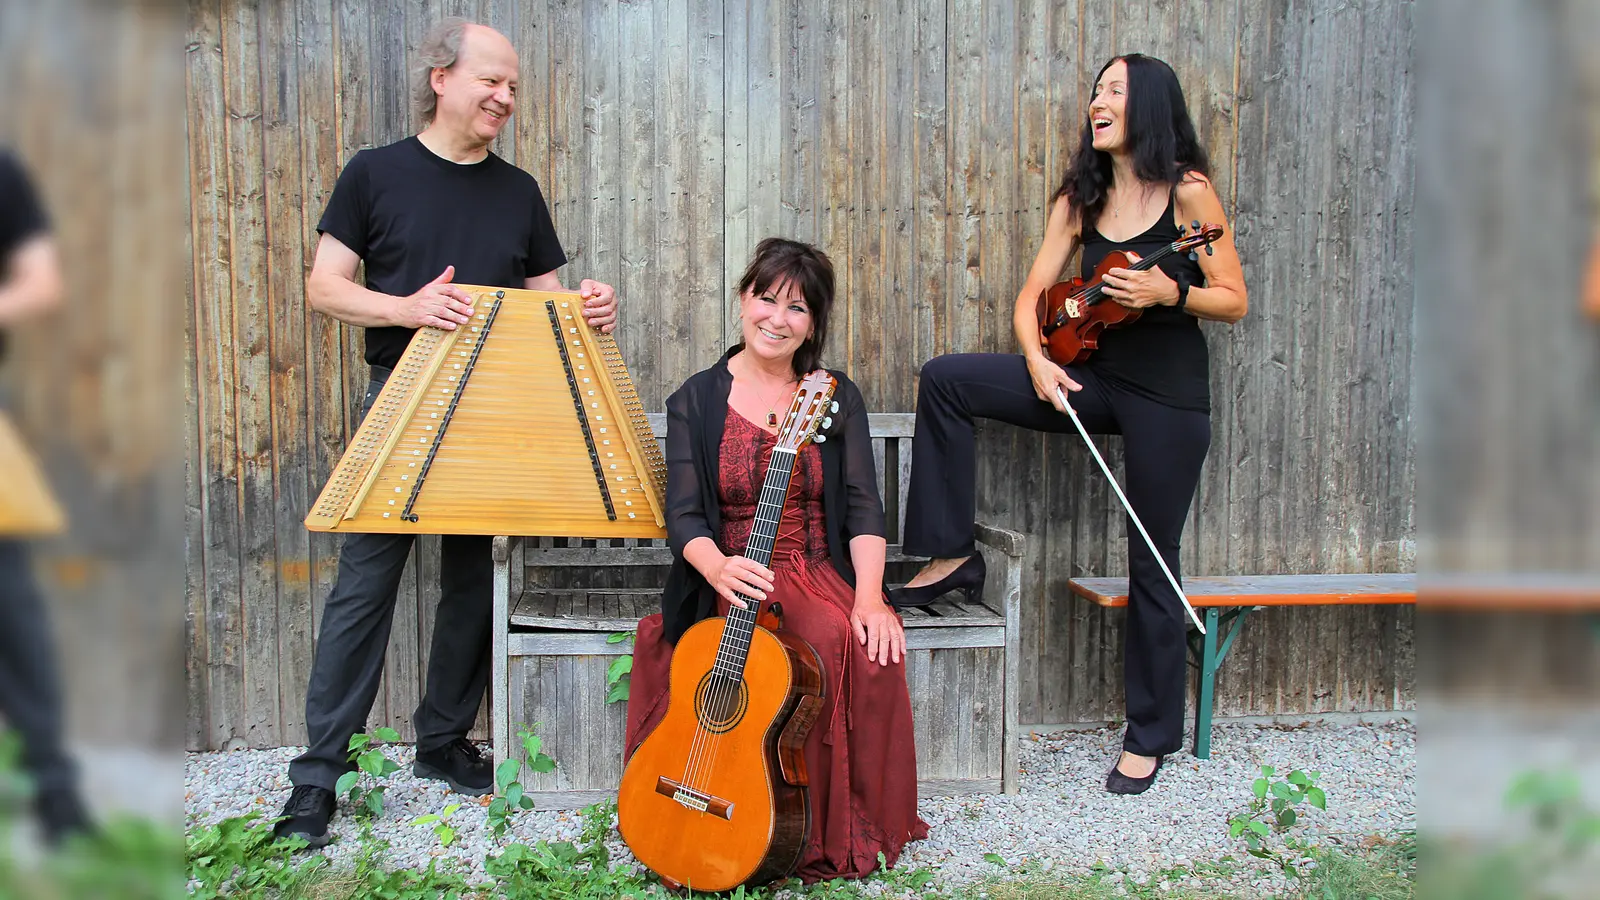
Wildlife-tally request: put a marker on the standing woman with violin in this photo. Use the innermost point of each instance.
(1139, 172)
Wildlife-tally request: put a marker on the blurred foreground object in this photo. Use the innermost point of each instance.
(1508, 490)
(27, 507)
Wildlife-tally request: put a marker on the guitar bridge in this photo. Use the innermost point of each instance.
(699, 801)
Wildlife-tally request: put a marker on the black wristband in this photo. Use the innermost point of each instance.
(1183, 292)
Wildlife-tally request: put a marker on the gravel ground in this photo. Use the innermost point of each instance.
(1063, 821)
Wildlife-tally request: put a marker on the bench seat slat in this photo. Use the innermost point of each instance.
(1267, 590)
(614, 609)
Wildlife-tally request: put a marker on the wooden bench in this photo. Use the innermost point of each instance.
(1224, 600)
(558, 603)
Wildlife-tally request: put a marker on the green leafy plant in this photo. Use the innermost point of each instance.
(509, 792)
(366, 797)
(442, 829)
(617, 675)
(1273, 812)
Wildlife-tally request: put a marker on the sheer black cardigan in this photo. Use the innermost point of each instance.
(697, 413)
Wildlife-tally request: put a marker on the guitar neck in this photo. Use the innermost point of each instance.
(763, 536)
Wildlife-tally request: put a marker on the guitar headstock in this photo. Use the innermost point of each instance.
(1196, 236)
(809, 413)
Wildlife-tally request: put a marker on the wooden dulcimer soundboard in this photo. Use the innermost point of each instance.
(523, 421)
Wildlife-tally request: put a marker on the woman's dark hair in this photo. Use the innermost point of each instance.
(1157, 128)
(778, 260)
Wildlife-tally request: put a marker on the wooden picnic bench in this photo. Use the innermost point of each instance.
(1224, 600)
(559, 603)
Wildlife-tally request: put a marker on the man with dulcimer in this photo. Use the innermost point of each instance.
(30, 683)
(434, 209)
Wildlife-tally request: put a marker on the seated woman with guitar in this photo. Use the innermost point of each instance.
(1138, 174)
(826, 574)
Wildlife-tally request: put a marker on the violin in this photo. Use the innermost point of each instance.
(1072, 313)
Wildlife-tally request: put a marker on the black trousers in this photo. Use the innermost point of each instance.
(1163, 449)
(30, 682)
(355, 634)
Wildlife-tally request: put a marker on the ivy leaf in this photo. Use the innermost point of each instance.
(346, 782)
(542, 763)
(618, 637)
(527, 802)
(1317, 798)
(1286, 818)
(621, 666)
(1259, 787)
(1259, 828)
(387, 734)
(1236, 828)
(618, 692)
(1267, 771)
(506, 773)
(513, 794)
(1299, 779)
(375, 801)
(389, 767)
(359, 742)
(1279, 789)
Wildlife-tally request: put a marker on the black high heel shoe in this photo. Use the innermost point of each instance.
(967, 578)
(1118, 783)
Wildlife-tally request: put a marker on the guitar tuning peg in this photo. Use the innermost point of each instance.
(820, 439)
(827, 422)
(834, 406)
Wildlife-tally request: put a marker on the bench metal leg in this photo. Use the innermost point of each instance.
(1212, 653)
(1203, 702)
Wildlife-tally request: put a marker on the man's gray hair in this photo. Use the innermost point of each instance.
(439, 50)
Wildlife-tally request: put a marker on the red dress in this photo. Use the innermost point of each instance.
(860, 755)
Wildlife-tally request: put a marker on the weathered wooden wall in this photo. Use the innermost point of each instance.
(918, 143)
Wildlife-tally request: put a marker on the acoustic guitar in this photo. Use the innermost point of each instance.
(715, 796)
(1072, 313)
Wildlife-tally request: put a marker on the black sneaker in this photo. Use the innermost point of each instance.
(62, 816)
(306, 815)
(459, 764)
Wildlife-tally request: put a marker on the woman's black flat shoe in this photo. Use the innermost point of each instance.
(1118, 783)
(967, 577)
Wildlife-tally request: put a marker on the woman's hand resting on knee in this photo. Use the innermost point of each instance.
(879, 629)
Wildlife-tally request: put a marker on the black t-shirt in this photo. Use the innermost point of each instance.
(21, 215)
(1163, 354)
(409, 213)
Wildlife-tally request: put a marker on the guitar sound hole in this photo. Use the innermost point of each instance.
(720, 702)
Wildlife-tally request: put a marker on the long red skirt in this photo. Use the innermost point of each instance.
(861, 754)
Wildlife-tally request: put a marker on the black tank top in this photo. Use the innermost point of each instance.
(1162, 355)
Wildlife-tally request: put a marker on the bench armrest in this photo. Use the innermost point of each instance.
(1009, 542)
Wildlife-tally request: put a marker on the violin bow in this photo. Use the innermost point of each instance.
(1129, 507)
